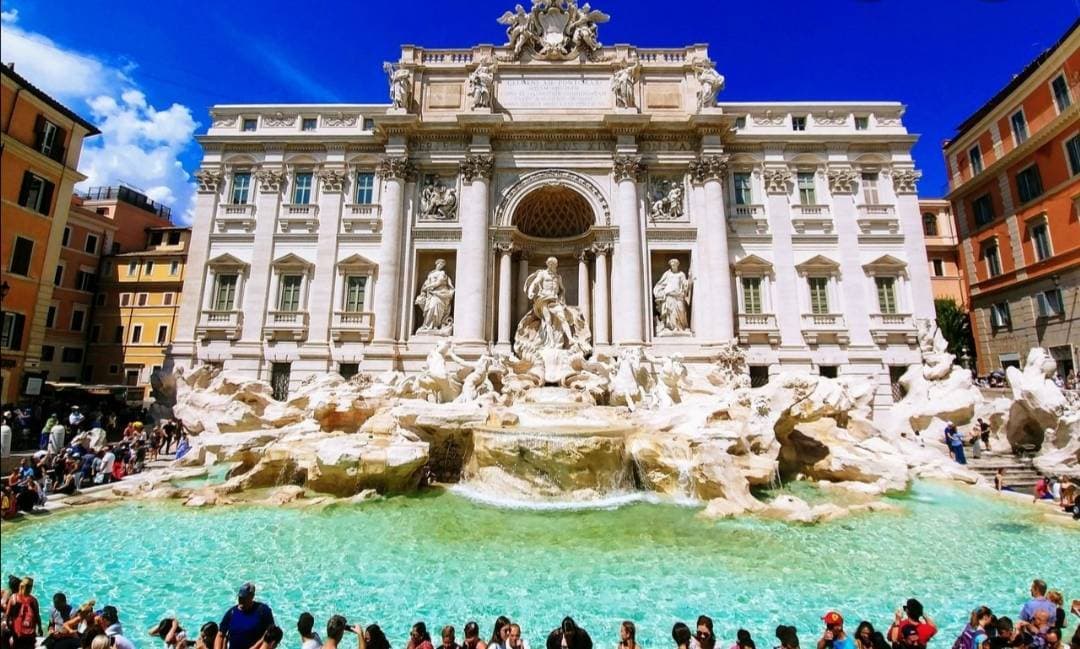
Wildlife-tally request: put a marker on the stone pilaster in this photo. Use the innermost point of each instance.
(601, 324)
(626, 285)
(256, 290)
(713, 295)
(472, 259)
(321, 304)
(192, 297)
(393, 171)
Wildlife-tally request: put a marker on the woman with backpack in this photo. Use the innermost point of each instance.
(23, 615)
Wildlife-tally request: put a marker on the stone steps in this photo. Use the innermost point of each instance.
(1020, 474)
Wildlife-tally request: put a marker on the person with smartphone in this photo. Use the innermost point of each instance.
(834, 636)
(911, 614)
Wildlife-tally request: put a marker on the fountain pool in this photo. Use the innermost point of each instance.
(445, 559)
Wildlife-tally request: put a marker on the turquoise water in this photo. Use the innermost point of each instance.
(444, 559)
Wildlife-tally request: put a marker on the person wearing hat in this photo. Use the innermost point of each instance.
(243, 625)
(912, 616)
(75, 419)
(834, 636)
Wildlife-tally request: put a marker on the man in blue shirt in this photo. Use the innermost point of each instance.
(1038, 601)
(244, 624)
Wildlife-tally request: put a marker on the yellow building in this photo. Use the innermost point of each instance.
(135, 316)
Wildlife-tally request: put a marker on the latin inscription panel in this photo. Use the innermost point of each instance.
(554, 93)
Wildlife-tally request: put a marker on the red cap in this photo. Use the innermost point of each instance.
(832, 618)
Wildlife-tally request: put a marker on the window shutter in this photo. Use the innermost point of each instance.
(59, 140)
(1044, 304)
(24, 191)
(17, 331)
(46, 198)
(39, 132)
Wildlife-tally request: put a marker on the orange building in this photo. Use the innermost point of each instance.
(942, 252)
(1014, 169)
(39, 155)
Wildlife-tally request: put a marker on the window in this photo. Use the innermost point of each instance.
(983, 208)
(862, 123)
(886, 294)
(95, 333)
(78, 318)
(91, 244)
(798, 123)
(114, 369)
(155, 238)
(740, 122)
(365, 188)
(58, 276)
(84, 281)
(125, 299)
(302, 188)
(167, 299)
(870, 188)
(742, 188)
(162, 334)
(131, 376)
(759, 376)
(71, 355)
(48, 352)
(355, 287)
(12, 330)
(36, 193)
(819, 295)
(241, 185)
(308, 124)
(21, 253)
(828, 371)
(47, 137)
(249, 124)
(67, 237)
(369, 124)
(118, 334)
(136, 333)
(993, 259)
(1019, 127)
(99, 299)
(1040, 240)
(225, 293)
(929, 224)
(133, 268)
(149, 268)
(1029, 184)
(751, 289)
(975, 155)
(174, 268)
(939, 267)
(142, 297)
(50, 317)
(174, 238)
(1072, 147)
(106, 268)
(807, 195)
(289, 293)
(348, 370)
(1061, 93)
(1050, 304)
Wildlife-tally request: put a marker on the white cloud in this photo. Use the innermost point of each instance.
(139, 143)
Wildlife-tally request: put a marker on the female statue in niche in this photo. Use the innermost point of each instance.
(672, 297)
(435, 299)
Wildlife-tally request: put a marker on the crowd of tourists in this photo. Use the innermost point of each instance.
(74, 452)
(1042, 623)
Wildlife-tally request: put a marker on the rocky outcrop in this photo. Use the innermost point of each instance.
(1041, 416)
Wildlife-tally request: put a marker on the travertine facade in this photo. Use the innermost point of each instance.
(796, 226)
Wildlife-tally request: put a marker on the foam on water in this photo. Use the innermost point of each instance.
(446, 559)
(606, 502)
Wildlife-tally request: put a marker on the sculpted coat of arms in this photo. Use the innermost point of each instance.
(553, 29)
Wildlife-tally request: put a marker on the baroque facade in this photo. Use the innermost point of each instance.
(358, 237)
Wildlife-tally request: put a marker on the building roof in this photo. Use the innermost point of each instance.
(152, 253)
(1015, 83)
(7, 71)
(168, 227)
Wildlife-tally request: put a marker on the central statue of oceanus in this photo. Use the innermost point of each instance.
(550, 324)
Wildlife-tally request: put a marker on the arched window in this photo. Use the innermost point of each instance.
(929, 224)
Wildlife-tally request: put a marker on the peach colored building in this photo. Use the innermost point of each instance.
(39, 157)
(1014, 169)
(942, 249)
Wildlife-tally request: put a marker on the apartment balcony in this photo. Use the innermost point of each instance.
(361, 218)
(754, 327)
(811, 220)
(235, 218)
(298, 219)
(748, 221)
(215, 323)
(878, 220)
(286, 325)
(824, 327)
(893, 326)
(352, 325)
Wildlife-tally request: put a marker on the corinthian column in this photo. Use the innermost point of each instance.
(505, 293)
(472, 259)
(627, 266)
(600, 295)
(712, 295)
(393, 171)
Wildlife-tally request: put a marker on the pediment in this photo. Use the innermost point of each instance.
(753, 263)
(227, 260)
(885, 264)
(818, 264)
(292, 260)
(356, 261)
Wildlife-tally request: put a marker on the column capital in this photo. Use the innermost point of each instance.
(709, 167)
(776, 179)
(210, 180)
(842, 180)
(904, 180)
(478, 166)
(333, 180)
(271, 181)
(395, 168)
(628, 167)
(583, 255)
(600, 248)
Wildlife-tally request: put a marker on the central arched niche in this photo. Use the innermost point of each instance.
(553, 212)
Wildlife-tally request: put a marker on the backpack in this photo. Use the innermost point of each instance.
(25, 623)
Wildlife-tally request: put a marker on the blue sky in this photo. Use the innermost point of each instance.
(149, 70)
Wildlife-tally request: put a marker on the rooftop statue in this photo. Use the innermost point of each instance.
(553, 29)
(400, 85)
